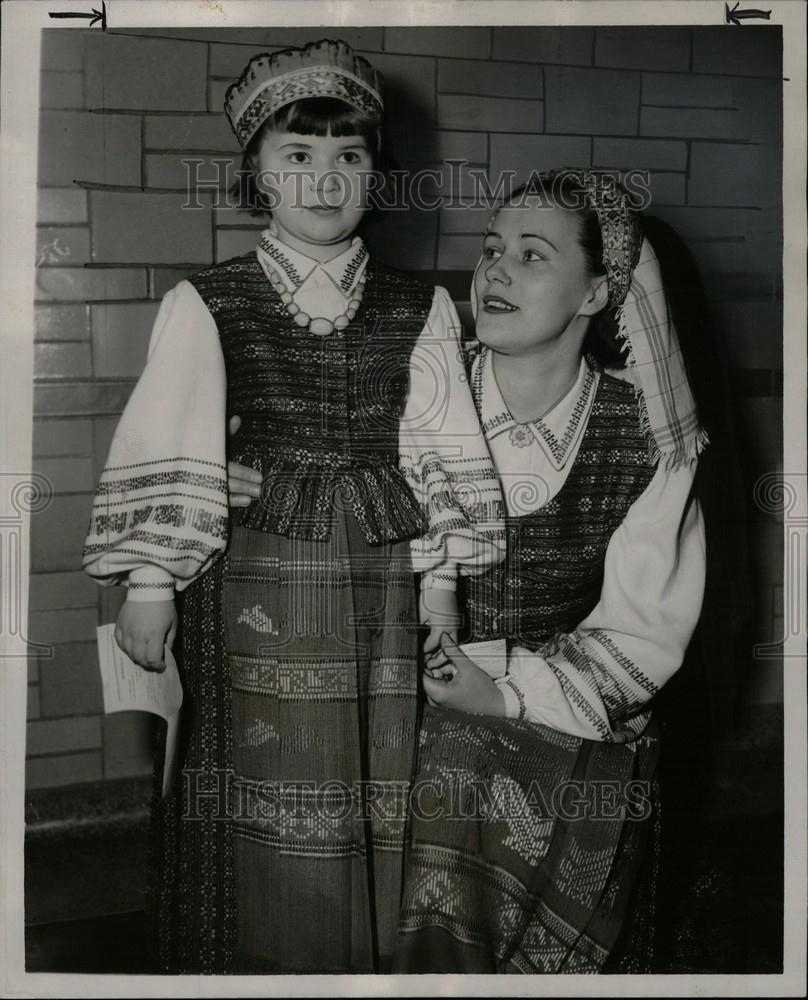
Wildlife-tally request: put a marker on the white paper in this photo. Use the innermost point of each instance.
(128, 687)
(490, 655)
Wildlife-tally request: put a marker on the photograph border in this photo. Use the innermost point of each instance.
(22, 22)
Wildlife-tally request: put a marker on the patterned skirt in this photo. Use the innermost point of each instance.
(280, 849)
(528, 848)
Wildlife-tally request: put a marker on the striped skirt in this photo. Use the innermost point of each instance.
(528, 849)
(281, 848)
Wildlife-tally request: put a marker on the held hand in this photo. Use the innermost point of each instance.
(243, 483)
(469, 689)
(143, 628)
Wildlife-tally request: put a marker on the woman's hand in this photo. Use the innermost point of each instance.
(439, 612)
(144, 628)
(243, 483)
(467, 689)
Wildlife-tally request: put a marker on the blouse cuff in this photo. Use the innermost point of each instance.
(150, 583)
(442, 578)
(514, 699)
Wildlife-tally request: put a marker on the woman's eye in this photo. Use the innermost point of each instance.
(349, 156)
(492, 253)
(299, 157)
(532, 255)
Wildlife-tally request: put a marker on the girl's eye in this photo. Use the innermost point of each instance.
(298, 156)
(492, 253)
(531, 255)
(349, 156)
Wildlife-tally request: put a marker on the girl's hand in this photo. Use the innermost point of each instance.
(469, 689)
(439, 611)
(243, 483)
(144, 628)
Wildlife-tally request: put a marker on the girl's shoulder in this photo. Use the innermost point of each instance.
(393, 278)
(237, 276)
(245, 264)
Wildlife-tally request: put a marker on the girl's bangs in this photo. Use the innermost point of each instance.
(323, 116)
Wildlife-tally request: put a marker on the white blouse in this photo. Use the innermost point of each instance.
(635, 638)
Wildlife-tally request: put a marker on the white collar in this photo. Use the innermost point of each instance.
(556, 432)
(297, 268)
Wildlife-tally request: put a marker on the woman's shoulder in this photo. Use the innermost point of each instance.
(611, 386)
(618, 404)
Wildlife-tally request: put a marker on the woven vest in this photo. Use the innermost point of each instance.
(320, 415)
(553, 571)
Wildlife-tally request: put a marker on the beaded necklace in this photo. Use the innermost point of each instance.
(320, 326)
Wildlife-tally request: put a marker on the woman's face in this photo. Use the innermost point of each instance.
(317, 185)
(532, 285)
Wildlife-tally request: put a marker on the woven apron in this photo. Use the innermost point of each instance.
(281, 849)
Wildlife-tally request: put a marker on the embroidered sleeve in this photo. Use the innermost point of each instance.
(160, 511)
(445, 459)
(595, 682)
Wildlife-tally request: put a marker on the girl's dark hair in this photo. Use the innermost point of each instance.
(309, 116)
(564, 189)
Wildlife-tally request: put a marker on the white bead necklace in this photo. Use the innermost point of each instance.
(319, 325)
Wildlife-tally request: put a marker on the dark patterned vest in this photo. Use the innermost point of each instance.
(320, 415)
(553, 571)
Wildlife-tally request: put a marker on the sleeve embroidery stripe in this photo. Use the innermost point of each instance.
(618, 699)
(107, 503)
(579, 700)
(150, 481)
(147, 555)
(163, 461)
(631, 669)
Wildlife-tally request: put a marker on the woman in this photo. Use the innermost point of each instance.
(534, 800)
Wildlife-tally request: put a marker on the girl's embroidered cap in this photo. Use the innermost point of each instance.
(320, 69)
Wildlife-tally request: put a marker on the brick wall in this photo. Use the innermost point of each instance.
(697, 107)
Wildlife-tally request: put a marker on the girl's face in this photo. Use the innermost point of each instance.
(316, 186)
(532, 285)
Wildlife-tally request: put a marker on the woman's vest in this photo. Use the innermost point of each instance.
(552, 575)
(320, 415)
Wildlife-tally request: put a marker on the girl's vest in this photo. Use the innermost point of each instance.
(553, 571)
(320, 415)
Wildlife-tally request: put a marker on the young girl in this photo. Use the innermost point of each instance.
(280, 848)
(539, 793)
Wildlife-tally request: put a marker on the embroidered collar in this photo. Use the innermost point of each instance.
(298, 268)
(328, 290)
(556, 432)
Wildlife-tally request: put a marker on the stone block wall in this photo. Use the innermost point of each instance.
(699, 108)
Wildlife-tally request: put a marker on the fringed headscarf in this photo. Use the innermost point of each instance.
(653, 358)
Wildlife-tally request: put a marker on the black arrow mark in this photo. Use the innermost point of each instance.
(94, 16)
(736, 16)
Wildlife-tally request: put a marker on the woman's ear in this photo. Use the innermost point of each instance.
(598, 297)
